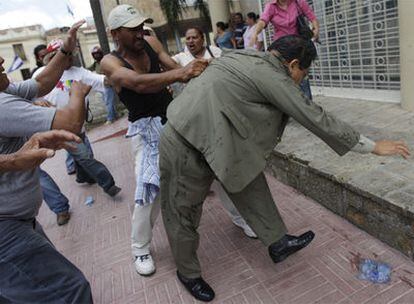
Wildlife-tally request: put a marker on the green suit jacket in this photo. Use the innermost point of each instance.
(236, 111)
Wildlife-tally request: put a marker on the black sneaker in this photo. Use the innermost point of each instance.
(288, 245)
(198, 288)
(114, 190)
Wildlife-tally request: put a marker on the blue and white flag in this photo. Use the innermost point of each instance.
(70, 11)
(17, 63)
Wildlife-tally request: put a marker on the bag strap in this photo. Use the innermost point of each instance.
(299, 8)
(211, 53)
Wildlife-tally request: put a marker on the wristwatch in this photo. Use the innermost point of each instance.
(66, 53)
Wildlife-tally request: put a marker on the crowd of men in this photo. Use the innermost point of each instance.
(219, 128)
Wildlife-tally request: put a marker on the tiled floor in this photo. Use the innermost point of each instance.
(238, 268)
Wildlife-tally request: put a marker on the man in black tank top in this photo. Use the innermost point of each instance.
(134, 71)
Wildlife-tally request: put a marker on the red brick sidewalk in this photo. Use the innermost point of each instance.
(238, 268)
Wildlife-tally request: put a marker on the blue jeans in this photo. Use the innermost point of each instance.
(70, 162)
(305, 86)
(33, 271)
(109, 98)
(88, 169)
(52, 195)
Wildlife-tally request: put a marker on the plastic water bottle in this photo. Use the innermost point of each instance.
(373, 271)
(89, 201)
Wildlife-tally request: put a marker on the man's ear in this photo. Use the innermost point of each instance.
(294, 64)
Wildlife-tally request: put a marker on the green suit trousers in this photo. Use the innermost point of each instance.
(185, 181)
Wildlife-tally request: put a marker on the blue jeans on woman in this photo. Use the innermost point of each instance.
(33, 271)
(52, 195)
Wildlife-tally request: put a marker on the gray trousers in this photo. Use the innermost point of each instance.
(185, 181)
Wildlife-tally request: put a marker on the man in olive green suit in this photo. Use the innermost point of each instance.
(223, 125)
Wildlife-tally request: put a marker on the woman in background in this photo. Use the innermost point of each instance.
(224, 38)
(250, 31)
(282, 14)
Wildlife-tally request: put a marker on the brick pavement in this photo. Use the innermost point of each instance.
(238, 268)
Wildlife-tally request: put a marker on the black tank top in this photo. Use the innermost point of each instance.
(141, 105)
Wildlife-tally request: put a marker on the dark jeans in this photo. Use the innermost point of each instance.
(88, 169)
(54, 198)
(33, 271)
(305, 86)
(70, 162)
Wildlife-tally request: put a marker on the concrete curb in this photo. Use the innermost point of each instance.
(378, 216)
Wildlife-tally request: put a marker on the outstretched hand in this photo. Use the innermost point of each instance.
(194, 69)
(69, 44)
(388, 147)
(42, 146)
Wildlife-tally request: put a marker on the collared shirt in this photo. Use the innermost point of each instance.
(186, 57)
(284, 20)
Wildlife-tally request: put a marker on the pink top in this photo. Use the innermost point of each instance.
(284, 20)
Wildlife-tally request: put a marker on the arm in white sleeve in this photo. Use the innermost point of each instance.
(364, 145)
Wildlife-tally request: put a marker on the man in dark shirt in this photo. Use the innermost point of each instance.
(239, 29)
(134, 71)
(39, 52)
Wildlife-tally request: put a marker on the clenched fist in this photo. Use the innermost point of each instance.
(194, 69)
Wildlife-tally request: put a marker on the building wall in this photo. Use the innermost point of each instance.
(29, 37)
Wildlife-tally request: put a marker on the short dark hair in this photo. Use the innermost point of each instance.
(197, 29)
(239, 14)
(253, 16)
(292, 47)
(38, 48)
(222, 25)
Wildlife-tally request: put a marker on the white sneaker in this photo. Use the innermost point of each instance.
(144, 265)
(246, 228)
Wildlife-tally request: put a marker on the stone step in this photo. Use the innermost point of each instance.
(374, 193)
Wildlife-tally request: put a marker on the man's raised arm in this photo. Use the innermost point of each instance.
(48, 78)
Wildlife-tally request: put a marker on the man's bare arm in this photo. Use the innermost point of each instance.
(37, 149)
(72, 117)
(165, 59)
(48, 78)
(151, 82)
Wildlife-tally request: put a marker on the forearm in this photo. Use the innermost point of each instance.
(71, 117)
(48, 78)
(8, 162)
(155, 82)
(260, 25)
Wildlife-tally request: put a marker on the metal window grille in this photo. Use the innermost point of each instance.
(360, 44)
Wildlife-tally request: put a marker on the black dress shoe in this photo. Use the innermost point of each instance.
(198, 288)
(288, 245)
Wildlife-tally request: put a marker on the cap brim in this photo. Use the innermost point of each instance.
(137, 22)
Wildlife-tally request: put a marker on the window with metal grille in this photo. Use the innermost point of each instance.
(360, 44)
(19, 51)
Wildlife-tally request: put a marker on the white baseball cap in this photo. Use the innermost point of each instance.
(125, 15)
